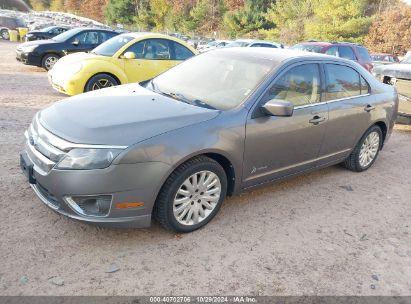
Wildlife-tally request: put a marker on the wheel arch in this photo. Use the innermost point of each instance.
(101, 73)
(384, 129)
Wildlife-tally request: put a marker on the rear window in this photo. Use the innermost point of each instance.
(364, 54)
(342, 82)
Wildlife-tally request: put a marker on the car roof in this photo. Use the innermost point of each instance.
(381, 54)
(279, 55)
(143, 34)
(80, 29)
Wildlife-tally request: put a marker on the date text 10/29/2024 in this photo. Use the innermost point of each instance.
(203, 299)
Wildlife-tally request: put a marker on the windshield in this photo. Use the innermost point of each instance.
(307, 48)
(238, 44)
(111, 46)
(214, 80)
(46, 29)
(66, 35)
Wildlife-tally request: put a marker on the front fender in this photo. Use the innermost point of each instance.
(94, 67)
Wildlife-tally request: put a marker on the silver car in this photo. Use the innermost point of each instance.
(174, 147)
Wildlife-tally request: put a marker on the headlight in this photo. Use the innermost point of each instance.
(88, 159)
(73, 68)
(28, 49)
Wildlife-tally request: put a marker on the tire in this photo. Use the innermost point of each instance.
(358, 161)
(4, 34)
(100, 81)
(49, 61)
(170, 203)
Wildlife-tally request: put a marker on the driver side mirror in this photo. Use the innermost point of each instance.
(75, 42)
(129, 55)
(277, 107)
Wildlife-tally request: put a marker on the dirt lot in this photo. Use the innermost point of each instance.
(331, 232)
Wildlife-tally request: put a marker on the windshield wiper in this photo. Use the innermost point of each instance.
(181, 97)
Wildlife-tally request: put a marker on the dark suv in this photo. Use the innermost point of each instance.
(345, 50)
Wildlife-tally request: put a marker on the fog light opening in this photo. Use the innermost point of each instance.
(90, 205)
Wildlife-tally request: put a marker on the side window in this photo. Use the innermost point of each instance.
(87, 38)
(156, 49)
(181, 52)
(256, 45)
(299, 85)
(346, 52)
(342, 82)
(333, 51)
(137, 48)
(104, 36)
(365, 88)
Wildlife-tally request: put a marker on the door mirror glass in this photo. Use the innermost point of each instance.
(129, 55)
(277, 107)
(75, 42)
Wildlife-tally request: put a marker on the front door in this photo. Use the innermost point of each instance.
(84, 42)
(279, 146)
(153, 56)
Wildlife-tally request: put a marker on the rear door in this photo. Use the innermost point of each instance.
(350, 110)
(279, 146)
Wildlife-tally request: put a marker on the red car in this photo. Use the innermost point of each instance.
(345, 50)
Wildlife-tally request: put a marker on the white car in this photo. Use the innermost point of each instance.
(214, 45)
(254, 43)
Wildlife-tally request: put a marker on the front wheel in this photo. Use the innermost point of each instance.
(100, 81)
(366, 151)
(49, 61)
(192, 195)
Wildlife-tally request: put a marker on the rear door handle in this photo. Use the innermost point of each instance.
(369, 108)
(316, 119)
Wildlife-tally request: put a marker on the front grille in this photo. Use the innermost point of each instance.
(48, 196)
(42, 153)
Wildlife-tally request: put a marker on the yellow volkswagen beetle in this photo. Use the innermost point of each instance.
(131, 57)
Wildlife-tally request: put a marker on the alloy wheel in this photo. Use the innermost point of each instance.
(369, 149)
(50, 62)
(196, 198)
(101, 84)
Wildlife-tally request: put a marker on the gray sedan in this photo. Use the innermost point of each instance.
(174, 147)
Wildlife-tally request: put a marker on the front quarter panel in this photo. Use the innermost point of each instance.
(223, 135)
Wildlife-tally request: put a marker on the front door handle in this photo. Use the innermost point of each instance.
(316, 120)
(369, 108)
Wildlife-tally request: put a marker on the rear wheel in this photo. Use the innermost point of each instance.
(365, 153)
(100, 81)
(192, 195)
(49, 61)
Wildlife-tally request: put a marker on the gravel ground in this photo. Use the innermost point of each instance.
(330, 232)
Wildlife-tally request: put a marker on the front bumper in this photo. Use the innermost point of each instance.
(28, 58)
(59, 189)
(125, 183)
(70, 85)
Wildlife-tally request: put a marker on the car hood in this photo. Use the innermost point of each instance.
(397, 70)
(123, 115)
(38, 42)
(38, 32)
(76, 57)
